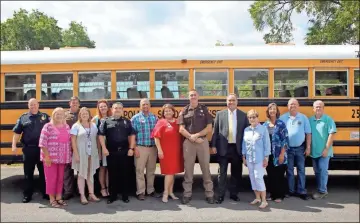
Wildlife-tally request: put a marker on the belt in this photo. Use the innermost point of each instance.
(147, 146)
(31, 145)
(117, 149)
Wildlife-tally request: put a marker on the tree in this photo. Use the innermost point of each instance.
(76, 36)
(220, 43)
(30, 31)
(36, 30)
(331, 22)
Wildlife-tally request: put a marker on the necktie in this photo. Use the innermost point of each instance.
(230, 127)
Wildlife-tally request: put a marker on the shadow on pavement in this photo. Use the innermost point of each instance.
(343, 189)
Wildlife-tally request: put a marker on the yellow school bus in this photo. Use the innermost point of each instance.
(258, 75)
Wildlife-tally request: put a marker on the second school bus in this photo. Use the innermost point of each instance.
(258, 75)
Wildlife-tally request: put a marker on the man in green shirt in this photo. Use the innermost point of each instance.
(323, 129)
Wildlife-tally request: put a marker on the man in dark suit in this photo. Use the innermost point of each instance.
(227, 144)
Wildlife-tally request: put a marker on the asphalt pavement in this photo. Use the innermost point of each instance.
(342, 204)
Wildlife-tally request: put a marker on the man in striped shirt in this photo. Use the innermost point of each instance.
(145, 150)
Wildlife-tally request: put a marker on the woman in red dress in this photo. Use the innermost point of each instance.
(168, 143)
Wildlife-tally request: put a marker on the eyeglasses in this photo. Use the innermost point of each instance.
(252, 117)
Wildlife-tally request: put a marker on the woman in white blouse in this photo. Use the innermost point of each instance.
(85, 156)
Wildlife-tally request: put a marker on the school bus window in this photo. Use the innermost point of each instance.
(357, 83)
(57, 86)
(20, 87)
(132, 84)
(291, 83)
(251, 83)
(95, 85)
(211, 82)
(171, 84)
(331, 83)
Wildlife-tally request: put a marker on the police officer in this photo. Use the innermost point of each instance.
(119, 149)
(195, 123)
(30, 125)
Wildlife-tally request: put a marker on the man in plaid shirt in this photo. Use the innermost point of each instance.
(145, 150)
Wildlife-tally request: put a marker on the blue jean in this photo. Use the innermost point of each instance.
(321, 166)
(296, 154)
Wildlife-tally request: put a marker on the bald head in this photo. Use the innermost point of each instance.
(293, 101)
(293, 106)
(33, 105)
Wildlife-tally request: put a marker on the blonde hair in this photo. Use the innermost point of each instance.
(82, 110)
(56, 110)
(252, 111)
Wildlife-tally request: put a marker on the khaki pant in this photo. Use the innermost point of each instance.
(146, 160)
(191, 150)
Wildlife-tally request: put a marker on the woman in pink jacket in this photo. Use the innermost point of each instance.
(55, 153)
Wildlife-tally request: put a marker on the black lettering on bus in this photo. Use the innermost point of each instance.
(207, 62)
(213, 112)
(176, 115)
(355, 113)
(129, 114)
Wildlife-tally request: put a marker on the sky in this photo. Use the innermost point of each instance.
(134, 24)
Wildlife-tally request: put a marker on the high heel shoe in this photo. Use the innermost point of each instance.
(83, 200)
(92, 197)
(104, 192)
(165, 198)
(172, 195)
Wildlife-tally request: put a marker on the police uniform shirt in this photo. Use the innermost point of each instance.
(74, 119)
(195, 119)
(30, 125)
(116, 132)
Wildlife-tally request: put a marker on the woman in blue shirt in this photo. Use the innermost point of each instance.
(256, 151)
(279, 138)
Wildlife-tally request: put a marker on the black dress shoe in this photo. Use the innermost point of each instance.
(234, 197)
(220, 200)
(304, 196)
(125, 199)
(185, 200)
(111, 200)
(155, 195)
(26, 199)
(210, 200)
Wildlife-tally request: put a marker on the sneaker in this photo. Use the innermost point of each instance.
(319, 195)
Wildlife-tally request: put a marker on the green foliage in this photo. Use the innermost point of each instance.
(76, 36)
(331, 22)
(36, 30)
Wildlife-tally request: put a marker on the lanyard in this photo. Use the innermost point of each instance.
(88, 134)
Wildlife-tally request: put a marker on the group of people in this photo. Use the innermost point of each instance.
(72, 140)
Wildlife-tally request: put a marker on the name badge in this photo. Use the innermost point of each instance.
(89, 144)
(88, 148)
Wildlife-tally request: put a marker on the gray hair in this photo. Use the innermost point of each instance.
(319, 101)
(293, 99)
